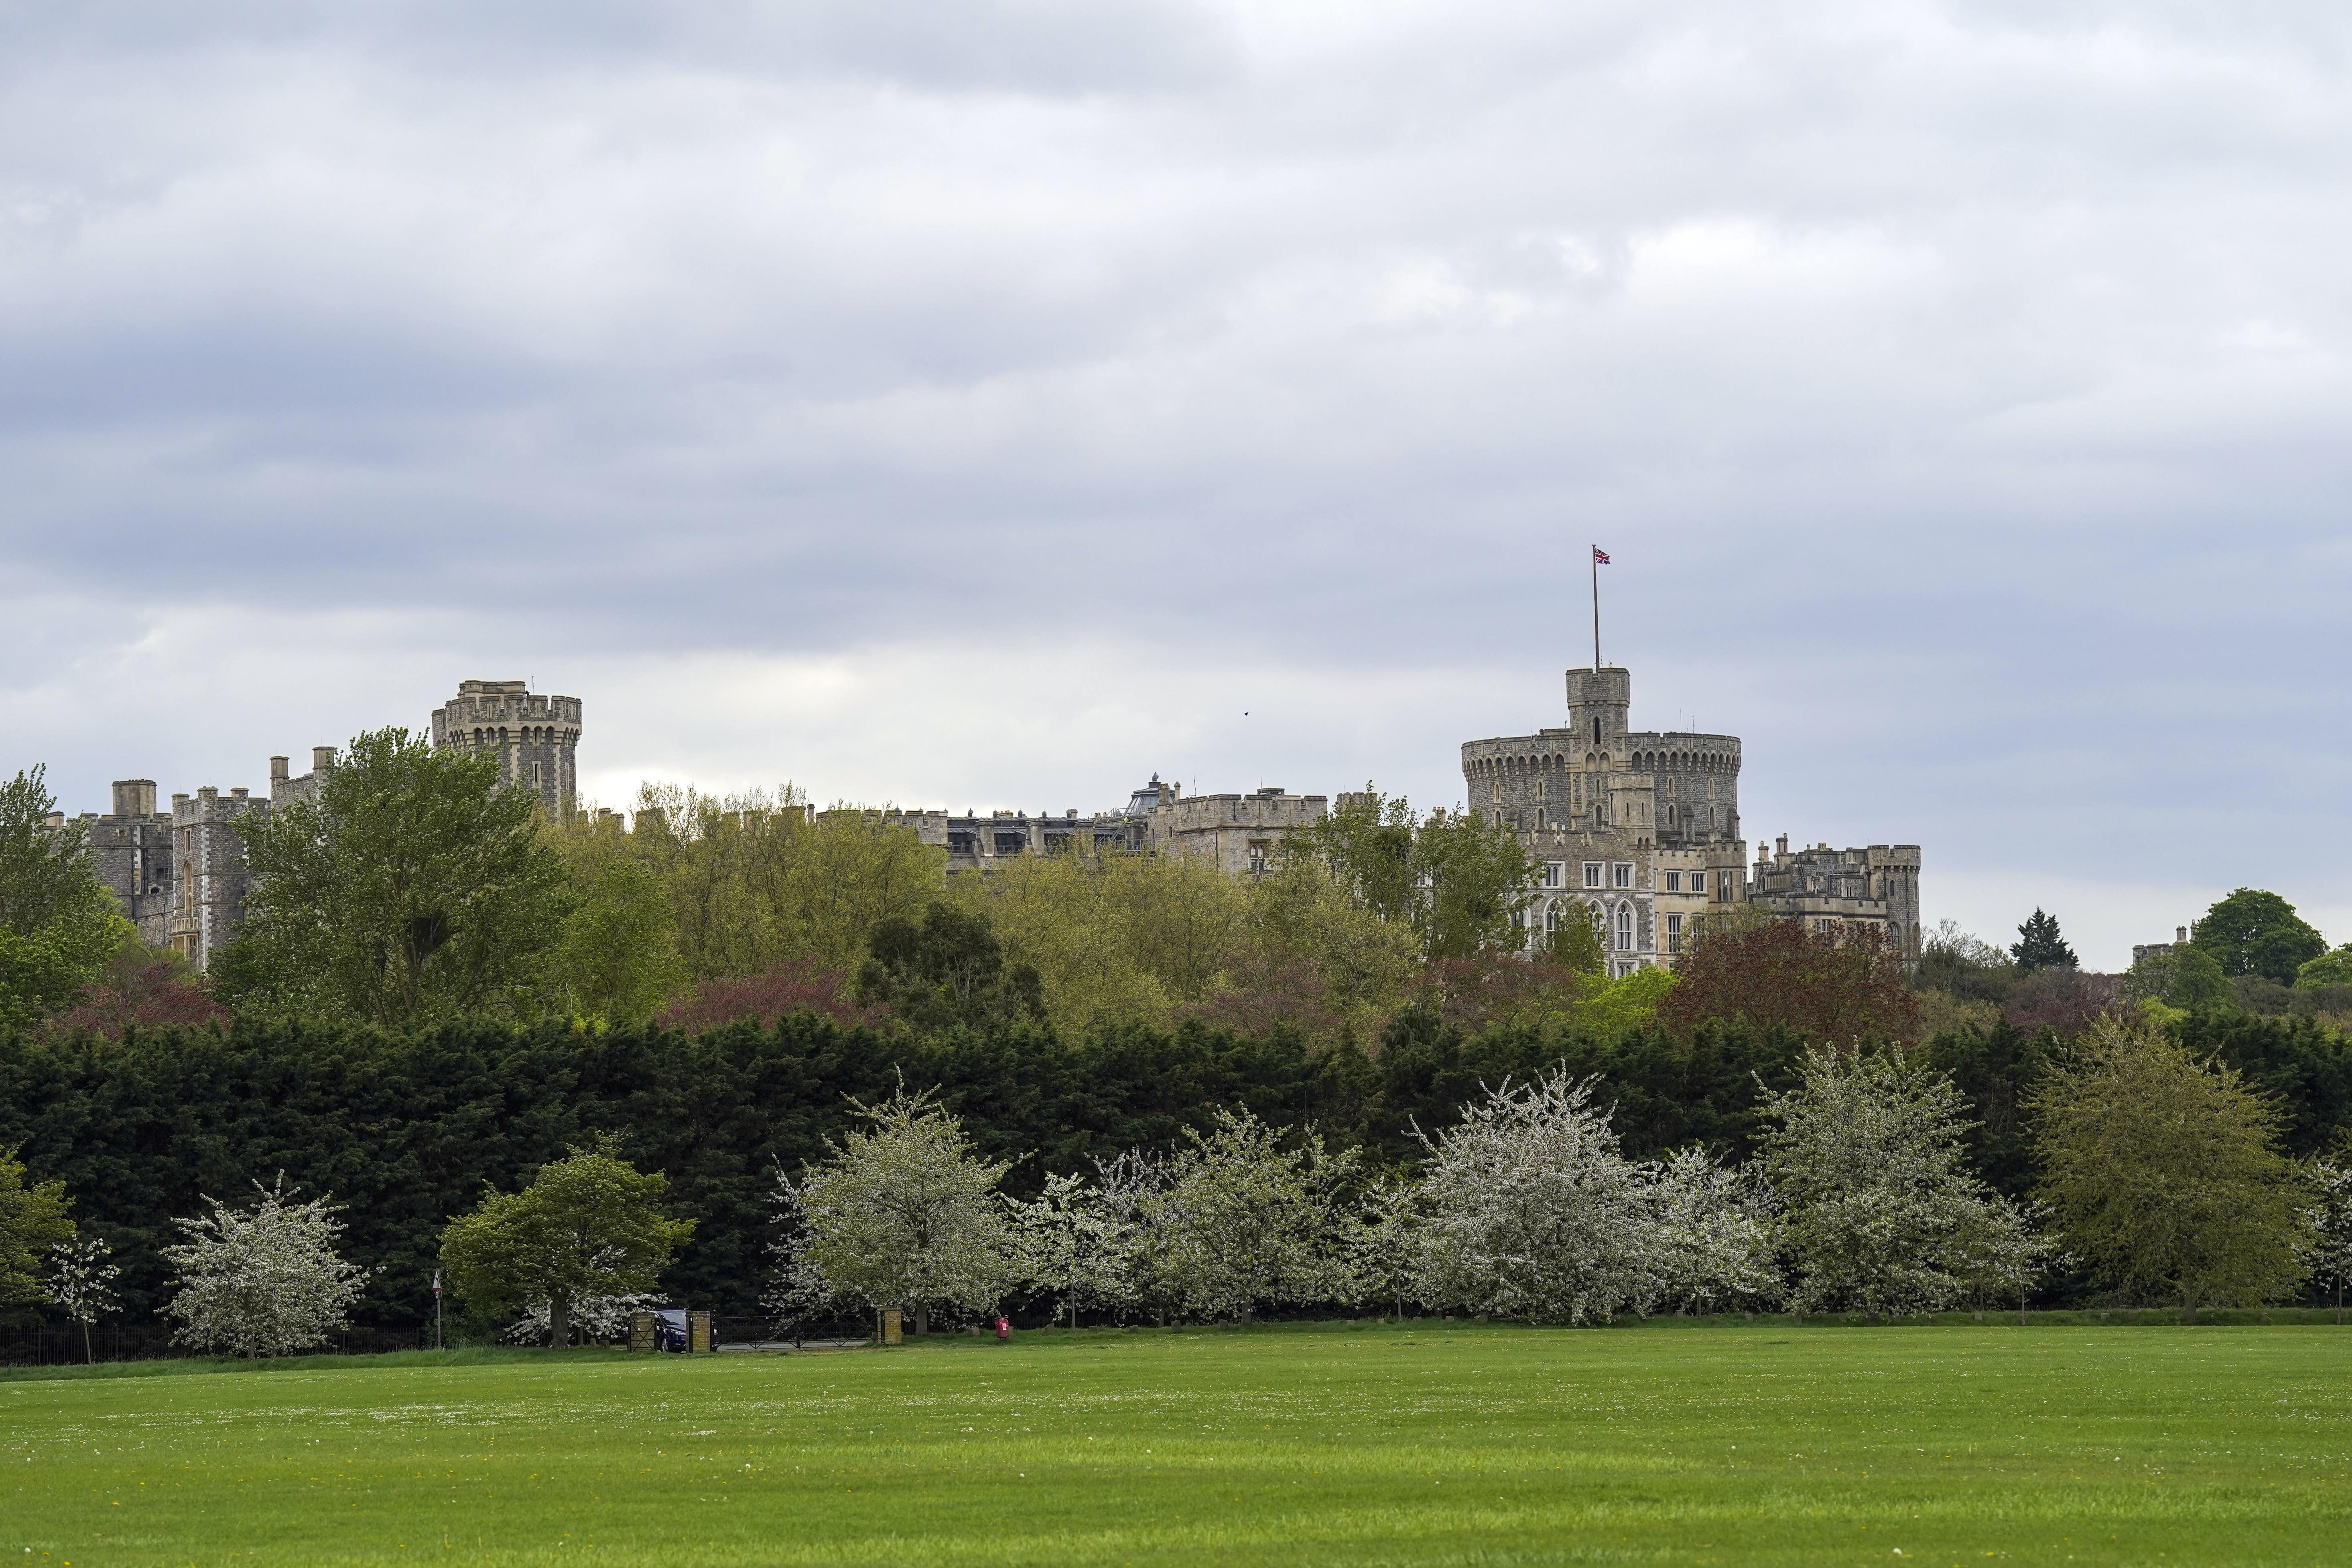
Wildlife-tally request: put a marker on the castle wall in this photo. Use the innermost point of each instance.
(210, 878)
(131, 850)
(1240, 834)
(1844, 891)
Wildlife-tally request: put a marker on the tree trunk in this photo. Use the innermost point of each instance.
(559, 1323)
(922, 1317)
(90, 1356)
(2188, 1310)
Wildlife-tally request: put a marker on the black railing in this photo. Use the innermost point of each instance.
(47, 1344)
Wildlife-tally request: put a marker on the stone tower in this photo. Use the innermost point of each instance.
(1635, 831)
(536, 738)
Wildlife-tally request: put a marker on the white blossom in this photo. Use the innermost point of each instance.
(1243, 1223)
(81, 1280)
(595, 1320)
(797, 1294)
(262, 1282)
(1715, 1230)
(2328, 1220)
(1534, 1212)
(1883, 1214)
(903, 1214)
(1073, 1239)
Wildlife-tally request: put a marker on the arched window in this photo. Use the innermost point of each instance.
(1624, 928)
(1551, 917)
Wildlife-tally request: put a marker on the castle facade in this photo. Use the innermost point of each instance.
(181, 875)
(1637, 832)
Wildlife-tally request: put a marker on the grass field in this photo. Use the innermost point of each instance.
(1364, 1445)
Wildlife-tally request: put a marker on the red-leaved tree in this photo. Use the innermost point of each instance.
(795, 985)
(140, 988)
(1831, 990)
(1265, 994)
(1495, 987)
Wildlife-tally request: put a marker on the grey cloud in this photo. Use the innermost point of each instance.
(1053, 48)
(1963, 389)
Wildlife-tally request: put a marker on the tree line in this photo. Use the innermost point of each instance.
(2162, 1178)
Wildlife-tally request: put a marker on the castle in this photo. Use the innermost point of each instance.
(1637, 832)
(181, 875)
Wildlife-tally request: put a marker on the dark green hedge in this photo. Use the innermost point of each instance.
(405, 1129)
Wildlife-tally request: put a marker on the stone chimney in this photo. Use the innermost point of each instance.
(322, 758)
(277, 772)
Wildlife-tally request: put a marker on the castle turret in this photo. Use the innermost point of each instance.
(1598, 702)
(536, 738)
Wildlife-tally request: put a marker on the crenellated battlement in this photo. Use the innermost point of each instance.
(535, 737)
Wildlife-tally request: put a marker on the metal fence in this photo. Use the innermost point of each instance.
(48, 1345)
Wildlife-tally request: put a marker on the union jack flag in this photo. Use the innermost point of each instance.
(1600, 556)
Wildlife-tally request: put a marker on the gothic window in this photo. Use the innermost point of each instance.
(1592, 874)
(1551, 917)
(1623, 874)
(1624, 928)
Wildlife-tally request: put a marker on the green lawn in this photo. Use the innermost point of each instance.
(1436, 1444)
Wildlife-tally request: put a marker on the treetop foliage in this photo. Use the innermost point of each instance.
(2038, 945)
(59, 925)
(2165, 1170)
(1825, 990)
(2329, 969)
(590, 1224)
(2256, 932)
(415, 887)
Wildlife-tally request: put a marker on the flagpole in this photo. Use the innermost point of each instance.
(1595, 550)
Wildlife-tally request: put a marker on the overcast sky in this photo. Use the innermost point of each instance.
(987, 403)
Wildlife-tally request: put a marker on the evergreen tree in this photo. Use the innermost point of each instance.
(947, 969)
(2038, 945)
